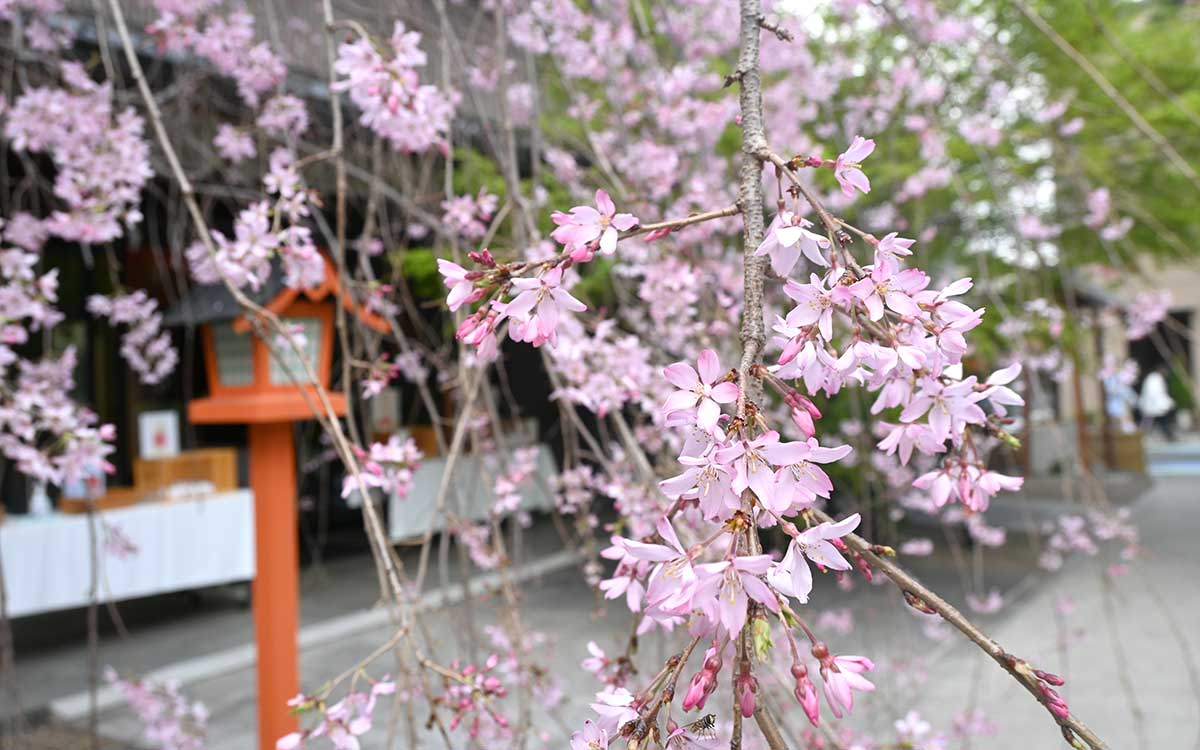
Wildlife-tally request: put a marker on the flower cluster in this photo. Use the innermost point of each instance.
(412, 116)
(226, 41)
(232, 144)
(387, 466)
(146, 347)
(539, 301)
(471, 695)
(260, 236)
(100, 156)
(343, 722)
(1145, 312)
(46, 434)
(507, 486)
(470, 215)
(170, 720)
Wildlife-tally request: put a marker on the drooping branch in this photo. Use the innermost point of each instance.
(750, 200)
(752, 333)
(325, 413)
(1021, 671)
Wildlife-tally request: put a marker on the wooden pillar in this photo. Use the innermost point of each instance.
(276, 587)
(1106, 428)
(1081, 427)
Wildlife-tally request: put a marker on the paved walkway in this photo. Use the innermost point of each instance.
(1130, 650)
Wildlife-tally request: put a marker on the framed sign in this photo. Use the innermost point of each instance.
(158, 434)
(385, 411)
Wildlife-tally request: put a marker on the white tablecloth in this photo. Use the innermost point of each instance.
(180, 545)
(409, 517)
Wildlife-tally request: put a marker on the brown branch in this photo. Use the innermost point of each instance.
(325, 414)
(750, 201)
(781, 33)
(1018, 668)
(753, 328)
(673, 224)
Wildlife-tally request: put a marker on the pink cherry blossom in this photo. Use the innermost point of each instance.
(814, 305)
(546, 299)
(799, 480)
(949, 405)
(585, 225)
(726, 587)
(847, 168)
(895, 290)
(671, 583)
(753, 463)
(700, 390)
(792, 576)
(788, 237)
(232, 144)
(460, 283)
(842, 676)
(591, 737)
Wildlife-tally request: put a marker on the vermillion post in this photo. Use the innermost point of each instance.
(276, 584)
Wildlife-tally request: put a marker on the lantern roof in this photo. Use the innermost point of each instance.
(214, 303)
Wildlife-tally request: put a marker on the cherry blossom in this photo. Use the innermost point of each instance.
(848, 166)
(787, 238)
(395, 104)
(792, 576)
(546, 299)
(893, 290)
(700, 388)
(591, 737)
(585, 225)
(232, 144)
(724, 589)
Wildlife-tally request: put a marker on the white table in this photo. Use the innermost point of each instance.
(181, 545)
(410, 517)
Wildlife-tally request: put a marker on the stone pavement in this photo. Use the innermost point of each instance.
(1130, 650)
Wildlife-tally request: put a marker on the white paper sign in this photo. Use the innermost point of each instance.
(158, 434)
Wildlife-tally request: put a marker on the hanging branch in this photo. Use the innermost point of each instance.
(917, 593)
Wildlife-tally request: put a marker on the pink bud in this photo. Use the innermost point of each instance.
(746, 701)
(696, 693)
(804, 422)
(746, 687)
(806, 694)
(468, 325)
(790, 350)
(583, 253)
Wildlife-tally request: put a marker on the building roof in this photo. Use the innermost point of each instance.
(214, 303)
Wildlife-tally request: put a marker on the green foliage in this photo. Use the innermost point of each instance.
(1131, 43)
(419, 268)
(473, 170)
(1179, 388)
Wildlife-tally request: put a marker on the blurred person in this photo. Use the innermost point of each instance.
(1156, 404)
(1119, 398)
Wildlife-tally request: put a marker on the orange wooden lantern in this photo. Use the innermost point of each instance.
(250, 385)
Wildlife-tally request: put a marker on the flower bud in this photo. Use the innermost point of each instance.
(468, 325)
(698, 690)
(746, 687)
